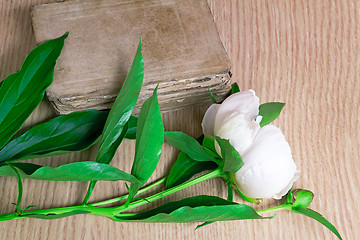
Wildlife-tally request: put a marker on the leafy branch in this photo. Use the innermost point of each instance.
(20, 94)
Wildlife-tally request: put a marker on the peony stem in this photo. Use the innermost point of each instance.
(111, 211)
(284, 206)
(215, 173)
(113, 200)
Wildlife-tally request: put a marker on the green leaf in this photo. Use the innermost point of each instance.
(149, 141)
(79, 171)
(209, 142)
(67, 133)
(27, 168)
(184, 168)
(55, 216)
(229, 198)
(318, 217)
(117, 122)
(232, 159)
(195, 209)
(269, 112)
(132, 127)
(21, 92)
(203, 225)
(234, 88)
(212, 96)
(121, 110)
(209, 146)
(189, 146)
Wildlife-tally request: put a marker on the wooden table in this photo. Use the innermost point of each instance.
(303, 53)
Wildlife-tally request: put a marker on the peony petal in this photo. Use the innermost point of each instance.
(238, 130)
(285, 190)
(245, 102)
(208, 121)
(268, 165)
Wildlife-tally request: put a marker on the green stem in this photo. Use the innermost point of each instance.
(215, 173)
(88, 193)
(18, 202)
(106, 212)
(113, 200)
(284, 206)
(110, 212)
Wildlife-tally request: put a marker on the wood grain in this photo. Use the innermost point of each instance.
(304, 53)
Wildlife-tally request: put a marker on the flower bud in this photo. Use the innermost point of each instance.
(302, 198)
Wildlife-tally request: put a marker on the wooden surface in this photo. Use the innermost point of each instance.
(304, 53)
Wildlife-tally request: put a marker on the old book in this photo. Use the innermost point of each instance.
(182, 51)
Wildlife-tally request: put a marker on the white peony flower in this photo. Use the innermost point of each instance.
(269, 170)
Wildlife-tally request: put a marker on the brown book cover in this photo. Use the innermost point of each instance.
(182, 51)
